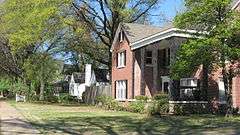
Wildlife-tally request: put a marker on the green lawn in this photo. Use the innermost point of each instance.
(57, 119)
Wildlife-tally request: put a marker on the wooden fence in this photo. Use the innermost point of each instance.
(93, 92)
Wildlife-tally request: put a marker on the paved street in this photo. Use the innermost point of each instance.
(13, 123)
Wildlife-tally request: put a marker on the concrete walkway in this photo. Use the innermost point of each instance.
(13, 123)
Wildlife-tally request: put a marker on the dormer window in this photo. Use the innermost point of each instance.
(121, 36)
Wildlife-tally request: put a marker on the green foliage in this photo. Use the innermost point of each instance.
(20, 87)
(108, 103)
(66, 98)
(183, 109)
(159, 105)
(5, 84)
(139, 105)
(41, 69)
(142, 98)
(49, 95)
(178, 110)
(192, 54)
(31, 22)
(41, 66)
(216, 47)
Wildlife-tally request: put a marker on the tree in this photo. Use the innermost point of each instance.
(42, 69)
(102, 18)
(24, 27)
(221, 27)
(191, 55)
(27, 23)
(5, 85)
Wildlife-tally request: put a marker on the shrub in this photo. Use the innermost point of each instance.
(179, 110)
(142, 98)
(108, 103)
(159, 105)
(66, 98)
(137, 106)
(49, 95)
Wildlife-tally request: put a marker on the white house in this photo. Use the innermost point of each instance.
(79, 81)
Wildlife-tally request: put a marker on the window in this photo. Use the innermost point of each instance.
(121, 36)
(121, 59)
(165, 57)
(222, 95)
(149, 58)
(192, 82)
(121, 90)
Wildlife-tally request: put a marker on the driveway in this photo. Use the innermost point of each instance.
(13, 123)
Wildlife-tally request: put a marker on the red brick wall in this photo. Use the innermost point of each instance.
(236, 91)
(122, 73)
(137, 72)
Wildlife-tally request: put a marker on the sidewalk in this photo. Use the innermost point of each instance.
(13, 123)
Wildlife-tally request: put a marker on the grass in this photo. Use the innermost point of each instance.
(58, 119)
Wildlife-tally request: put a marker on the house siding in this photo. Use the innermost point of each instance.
(124, 73)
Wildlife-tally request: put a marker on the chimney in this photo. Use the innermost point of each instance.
(88, 74)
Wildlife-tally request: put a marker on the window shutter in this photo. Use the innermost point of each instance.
(122, 34)
(126, 89)
(117, 59)
(115, 94)
(125, 57)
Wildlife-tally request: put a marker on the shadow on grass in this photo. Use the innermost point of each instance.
(16, 126)
(115, 125)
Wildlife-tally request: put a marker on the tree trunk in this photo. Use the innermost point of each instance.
(228, 91)
(204, 89)
(42, 87)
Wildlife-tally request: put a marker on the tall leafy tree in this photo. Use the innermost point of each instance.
(27, 23)
(221, 27)
(102, 18)
(42, 69)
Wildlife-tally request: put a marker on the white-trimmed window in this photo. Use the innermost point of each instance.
(121, 59)
(121, 90)
(149, 58)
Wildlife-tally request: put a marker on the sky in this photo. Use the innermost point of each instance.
(168, 9)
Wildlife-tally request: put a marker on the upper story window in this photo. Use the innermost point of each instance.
(121, 59)
(165, 56)
(121, 36)
(149, 56)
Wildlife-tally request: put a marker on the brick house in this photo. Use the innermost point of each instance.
(141, 56)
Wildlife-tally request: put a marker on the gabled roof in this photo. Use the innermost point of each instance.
(136, 32)
(139, 35)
